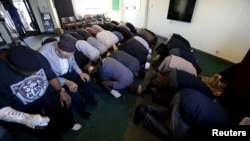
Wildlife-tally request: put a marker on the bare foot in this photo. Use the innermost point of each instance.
(139, 89)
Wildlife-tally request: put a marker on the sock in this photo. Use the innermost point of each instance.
(76, 127)
(149, 57)
(147, 65)
(156, 57)
(150, 51)
(91, 68)
(115, 47)
(115, 93)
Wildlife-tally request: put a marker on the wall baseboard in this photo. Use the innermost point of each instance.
(215, 57)
(164, 41)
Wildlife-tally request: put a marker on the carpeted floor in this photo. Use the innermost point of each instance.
(112, 119)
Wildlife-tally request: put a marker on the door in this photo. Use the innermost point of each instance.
(33, 23)
(135, 12)
(21, 17)
(27, 17)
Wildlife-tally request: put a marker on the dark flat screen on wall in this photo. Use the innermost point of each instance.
(181, 10)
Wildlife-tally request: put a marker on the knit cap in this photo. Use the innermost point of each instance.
(24, 58)
(66, 45)
(46, 40)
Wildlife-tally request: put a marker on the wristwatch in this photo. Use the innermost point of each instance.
(61, 90)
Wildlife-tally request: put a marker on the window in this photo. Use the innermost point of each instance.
(89, 7)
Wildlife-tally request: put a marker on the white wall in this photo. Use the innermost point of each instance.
(5, 34)
(221, 25)
(135, 11)
(3, 30)
(136, 16)
(48, 5)
(35, 7)
(114, 14)
(217, 25)
(54, 15)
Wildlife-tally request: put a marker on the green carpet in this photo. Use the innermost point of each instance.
(210, 64)
(112, 119)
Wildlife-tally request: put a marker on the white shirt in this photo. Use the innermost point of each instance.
(64, 65)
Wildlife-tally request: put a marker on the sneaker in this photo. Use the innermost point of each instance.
(76, 127)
